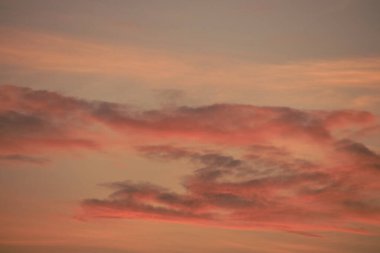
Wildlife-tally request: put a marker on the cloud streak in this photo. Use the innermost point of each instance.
(23, 159)
(52, 52)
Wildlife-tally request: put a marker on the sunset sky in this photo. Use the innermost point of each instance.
(175, 126)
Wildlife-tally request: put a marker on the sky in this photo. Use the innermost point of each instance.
(177, 126)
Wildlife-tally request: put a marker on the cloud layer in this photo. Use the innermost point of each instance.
(254, 167)
(35, 117)
(267, 187)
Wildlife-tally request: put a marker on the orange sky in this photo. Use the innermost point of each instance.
(203, 126)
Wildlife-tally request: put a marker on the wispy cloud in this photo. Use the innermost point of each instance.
(23, 159)
(54, 52)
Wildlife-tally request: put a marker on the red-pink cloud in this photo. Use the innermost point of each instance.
(34, 117)
(293, 170)
(267, 188)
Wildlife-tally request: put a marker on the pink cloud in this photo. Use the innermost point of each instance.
(262, 190)
(33, 120)
(49, 117)
(294, 170)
